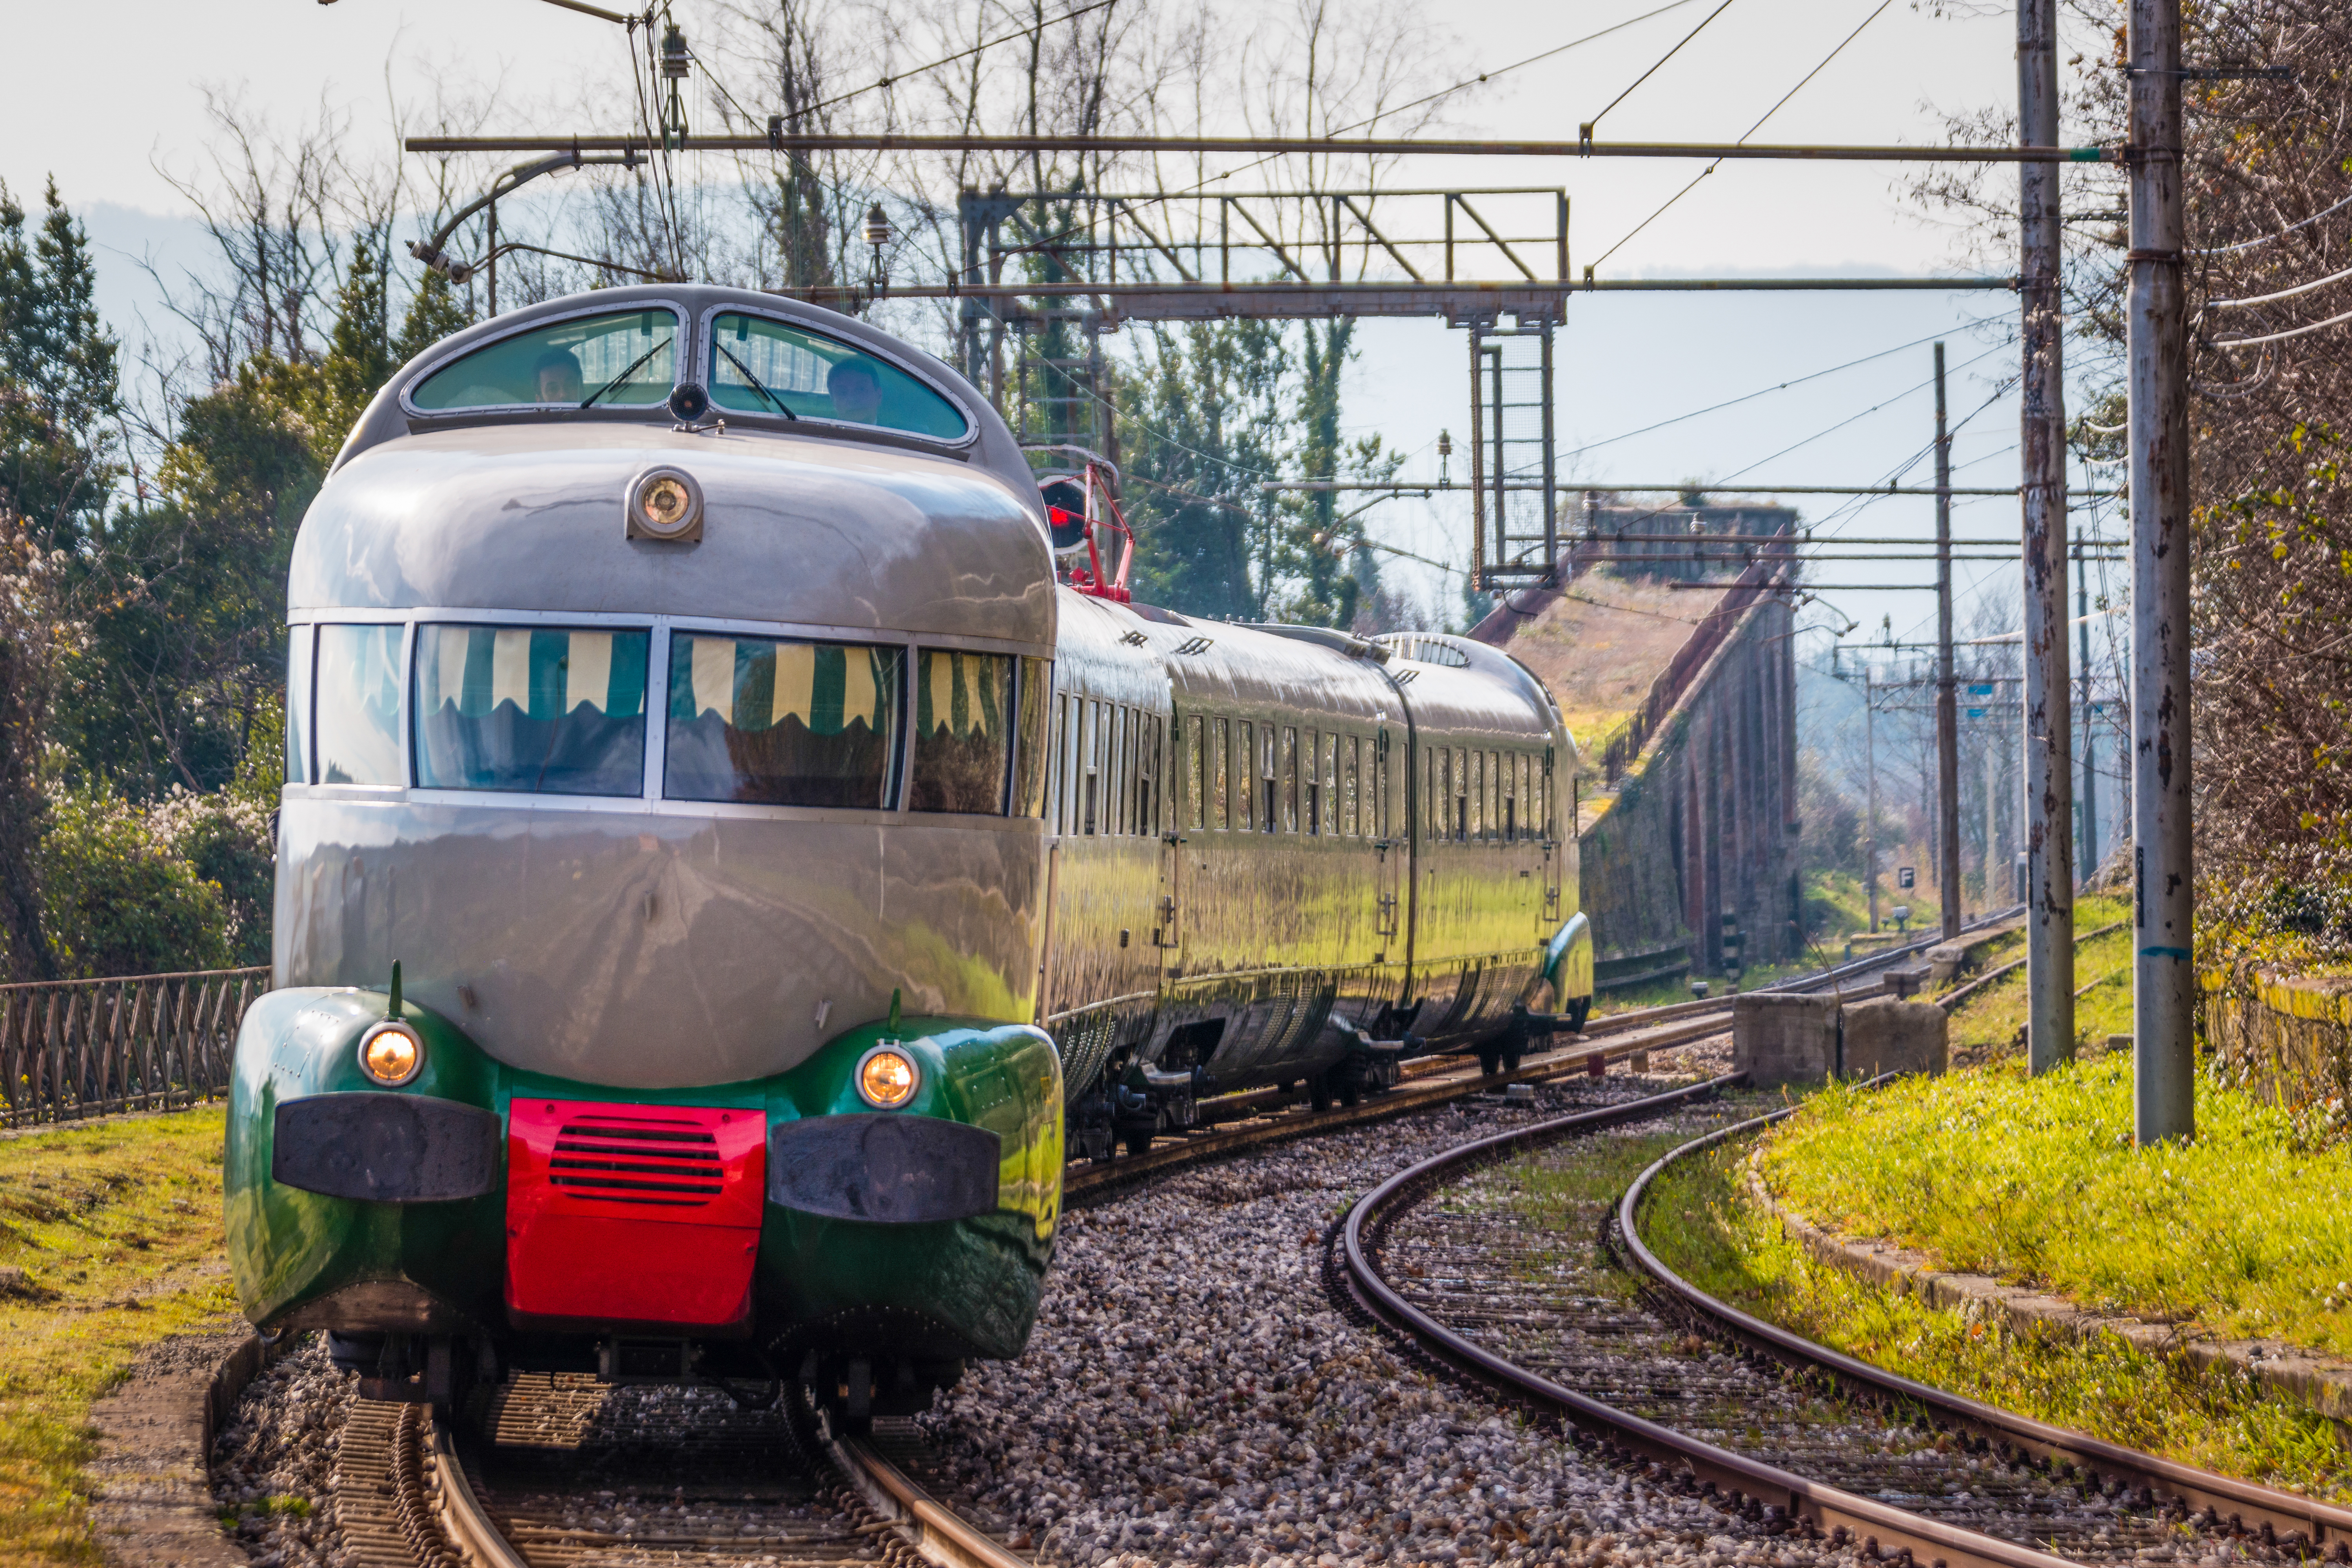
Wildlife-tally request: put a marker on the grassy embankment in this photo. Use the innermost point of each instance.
(2037, 1182)
(109, 1239)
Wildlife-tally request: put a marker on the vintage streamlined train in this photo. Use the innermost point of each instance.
(725, 867)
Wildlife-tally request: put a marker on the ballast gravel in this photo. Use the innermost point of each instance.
(1192, 1394)
(273, 1466)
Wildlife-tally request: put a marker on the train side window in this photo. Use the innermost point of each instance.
(1494, 794)
(298, 703)
(783, 723)
(625, 360)
(1462, 796)
(1329, 765)
(1310, 789)
(1220, 769)
(1351, 751)
(1074, 711)
(1089, 764)
(1127, 725)
(535, 710)
(1380, 787)
(1269, 781)
(1195, 778)
(1289, 802)
(963, 740)
(1245, 776)
(357, 706)
(1030, 737)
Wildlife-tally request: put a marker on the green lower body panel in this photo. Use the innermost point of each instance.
(785, 1212)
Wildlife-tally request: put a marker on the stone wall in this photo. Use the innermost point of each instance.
(2287, 1039)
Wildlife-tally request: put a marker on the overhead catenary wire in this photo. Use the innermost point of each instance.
(1654, 71)
(1751, 131)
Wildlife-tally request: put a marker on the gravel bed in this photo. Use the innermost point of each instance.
(273, 1466)
(1193, 1396)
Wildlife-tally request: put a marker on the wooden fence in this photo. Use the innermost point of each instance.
(73, 1048)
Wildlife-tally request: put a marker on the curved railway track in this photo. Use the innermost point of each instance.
(1949, 1482)
(757, 1488)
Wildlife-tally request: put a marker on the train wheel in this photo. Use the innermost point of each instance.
(1318, 1092)
(1576, 1012)
(1490, 1062)
(1352, 1092)
(1512, 1055)
(1138, 1144)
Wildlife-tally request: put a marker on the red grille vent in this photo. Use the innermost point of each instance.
(631, 1160)
(632, 1213)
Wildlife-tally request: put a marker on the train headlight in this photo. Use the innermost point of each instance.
(392, 1054)
(887, 1078)
(665, 503)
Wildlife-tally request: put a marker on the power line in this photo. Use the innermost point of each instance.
(1751, 131)
(2281, 234)
(1670, 54)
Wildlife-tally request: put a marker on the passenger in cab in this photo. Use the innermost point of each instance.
(559, 380)
(856, 392)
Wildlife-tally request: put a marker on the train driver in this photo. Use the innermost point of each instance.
(559, 380)
(856, 389)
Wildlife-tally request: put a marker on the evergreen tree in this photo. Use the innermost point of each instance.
(433, 313)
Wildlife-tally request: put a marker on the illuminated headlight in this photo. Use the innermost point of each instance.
(391, 1054)
(887, 1078)
(665, 503)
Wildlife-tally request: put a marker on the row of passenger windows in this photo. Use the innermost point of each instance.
(1107, 768)
(1251, 777)
(758, 720)
(1468, 793)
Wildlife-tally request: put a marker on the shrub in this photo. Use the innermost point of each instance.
(120, 896)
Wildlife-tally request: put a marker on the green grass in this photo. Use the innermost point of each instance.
(2036, 1182)
(1987, 1025)
(1701, 1224)
(117, 1230)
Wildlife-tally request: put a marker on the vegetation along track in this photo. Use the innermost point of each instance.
(1811, 1444)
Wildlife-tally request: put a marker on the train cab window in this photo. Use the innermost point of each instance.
(963, 735)
(1030, 738)
(356, 705)
(536, 710)
(624, 361)
(783, 723)
(298, 703)
(760, 366)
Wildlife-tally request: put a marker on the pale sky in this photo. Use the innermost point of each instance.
(119, 92)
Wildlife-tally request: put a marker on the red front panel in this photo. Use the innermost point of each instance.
(632, 1213)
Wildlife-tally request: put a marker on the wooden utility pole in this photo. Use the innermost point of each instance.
(2048, 731)
(2164, 1060)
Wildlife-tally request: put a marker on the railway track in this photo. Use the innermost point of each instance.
(1810, 1443)
(572, 1474)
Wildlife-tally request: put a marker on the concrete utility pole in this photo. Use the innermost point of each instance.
(2157, 349)
(1948, 719)
(1870, 766)
(2090, 798)
(2048, 736)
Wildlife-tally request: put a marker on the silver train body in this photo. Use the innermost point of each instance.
(1232, 855)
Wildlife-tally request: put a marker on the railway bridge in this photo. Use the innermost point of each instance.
(1679, 682)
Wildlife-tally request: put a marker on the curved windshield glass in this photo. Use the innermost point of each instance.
(625, 360)
(759, 366)
(782, 723)
(536, 710)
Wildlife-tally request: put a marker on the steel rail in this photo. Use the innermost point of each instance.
(939, 1534)
(2274, 1514)
(1317, 146)
(1811, 1505)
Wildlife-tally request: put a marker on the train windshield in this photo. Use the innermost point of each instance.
(760, 366)
(533, 710)
(782, 723)
(621, 361)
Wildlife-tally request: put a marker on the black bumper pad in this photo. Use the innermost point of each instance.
(885, 1168)
(386, 1148)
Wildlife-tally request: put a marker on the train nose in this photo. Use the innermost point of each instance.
(626, 1215)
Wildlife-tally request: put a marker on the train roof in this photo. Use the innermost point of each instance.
(816, 523)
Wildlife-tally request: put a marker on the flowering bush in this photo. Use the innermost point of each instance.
(182, 884)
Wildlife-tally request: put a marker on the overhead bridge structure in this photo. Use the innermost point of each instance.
(1684, 701)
